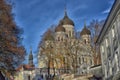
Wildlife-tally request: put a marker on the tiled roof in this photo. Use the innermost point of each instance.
(25, 67)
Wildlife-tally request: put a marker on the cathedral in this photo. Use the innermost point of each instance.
(63, 51)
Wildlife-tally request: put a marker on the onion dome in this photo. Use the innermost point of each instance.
(48, 36)
(60, 28)
(85, 31)
(66, 20)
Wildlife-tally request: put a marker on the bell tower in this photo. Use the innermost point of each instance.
(31, 58)
(68, 24)
(85, 34)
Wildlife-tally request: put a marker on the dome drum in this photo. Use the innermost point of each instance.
(59, 28)
(85, 31)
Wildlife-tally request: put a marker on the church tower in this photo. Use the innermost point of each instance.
(68, 24)
(31, 58)
(60, 32)
(86, 35)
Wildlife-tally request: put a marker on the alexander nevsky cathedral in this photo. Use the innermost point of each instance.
(65, 50)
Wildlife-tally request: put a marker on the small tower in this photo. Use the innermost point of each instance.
(85, 34)
(68, 24)
(31, 58)
(60, 32)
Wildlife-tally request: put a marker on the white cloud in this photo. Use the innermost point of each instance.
(83, 6)
(106, 11)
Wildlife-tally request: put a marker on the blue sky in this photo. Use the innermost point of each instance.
(36, 16)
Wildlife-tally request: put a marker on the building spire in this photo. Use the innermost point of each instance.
(84, 23)
(30, 49)
(31, 57)
(65, 10)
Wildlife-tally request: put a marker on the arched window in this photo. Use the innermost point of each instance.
(79, 61)
(113, 31)
(110, 70)
(116, 60)
(105, 71)
(69, 33)
(83, 59)
(72, 33)
(85, 41)
(91, 61)
(102, 49)
(61, 38)
(106, 41)
(58, 38)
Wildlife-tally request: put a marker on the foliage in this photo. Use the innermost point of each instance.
(11, 51)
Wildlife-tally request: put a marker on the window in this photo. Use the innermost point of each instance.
(119, 33)
(69, 33)
(108, 51)
(105, 69)
(83, 59)
(116, 60)
(119, 22)
(106, 41)
(110, 70)
(61, 39)
(58, 38)
(102, 49)
(117, 57)
(91, 61)
(72, 33)
(113, 32)
(79, 61)
(113, 69)
(85, 41)
(0, 12)
(115, 44)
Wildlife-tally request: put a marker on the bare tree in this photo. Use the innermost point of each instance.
(95, 28)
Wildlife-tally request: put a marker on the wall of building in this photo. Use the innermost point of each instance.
(110, 46)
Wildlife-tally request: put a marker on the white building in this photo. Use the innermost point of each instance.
(109, 41)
